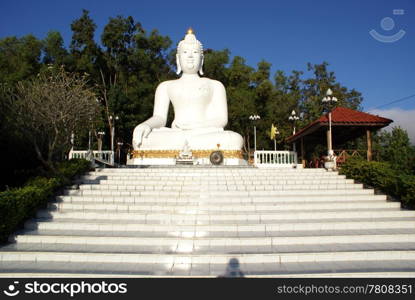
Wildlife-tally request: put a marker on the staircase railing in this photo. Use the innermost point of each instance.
(275, 158)
(106, 157)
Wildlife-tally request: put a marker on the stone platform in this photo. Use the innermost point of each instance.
(215, 221)
(172, 158)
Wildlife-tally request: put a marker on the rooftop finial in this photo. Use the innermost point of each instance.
(190, 31)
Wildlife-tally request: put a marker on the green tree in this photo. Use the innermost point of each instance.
(54, 51)
(241, 98)
(19, 58)
(264, 92)
(136, 62)
(86, 55)
(215, 64)
(285, 98)
(48, 108)
(314, 90)
(395, 148)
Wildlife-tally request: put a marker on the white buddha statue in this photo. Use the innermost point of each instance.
(200, 112)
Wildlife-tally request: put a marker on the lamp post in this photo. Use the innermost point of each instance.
(90, 153)
(72, 140)
(100, 137)
(328, 102)
(254, 118)
(293, 118)
(275, 142)
(119, 145)
(113, 119)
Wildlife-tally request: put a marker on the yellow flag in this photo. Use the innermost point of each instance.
(273, 132)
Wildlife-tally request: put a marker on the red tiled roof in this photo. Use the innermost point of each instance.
(343, 116)
(347, 115)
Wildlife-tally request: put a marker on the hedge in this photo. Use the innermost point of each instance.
(19, 204)
(382, 176)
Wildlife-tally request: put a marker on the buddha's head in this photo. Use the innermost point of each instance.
(189, 57)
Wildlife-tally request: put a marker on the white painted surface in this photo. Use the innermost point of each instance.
(200, 110)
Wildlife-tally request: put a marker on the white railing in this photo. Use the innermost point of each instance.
(275, 158)
(104, 156)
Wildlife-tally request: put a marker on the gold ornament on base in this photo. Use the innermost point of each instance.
(175, 153)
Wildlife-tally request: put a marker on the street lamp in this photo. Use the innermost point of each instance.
(72, 140)
(113, 119)
(100, 137)
(254, 118)
(293, 118)
(329, 101)
(90, 154)
(119, 144)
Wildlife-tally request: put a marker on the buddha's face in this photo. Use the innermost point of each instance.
(190, 58)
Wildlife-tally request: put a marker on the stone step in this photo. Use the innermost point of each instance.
(212, 171)
(280, 258)
(204, 208)
(208, 194)
(233, 268)
(248, 218)
(296, 228)
(236, 245)
(194, 243)
(195, 221)
(217, 248)
(172, 177)
(331, 269)
(258, 181)
(216, 234)
(228, 187)
(236, 200)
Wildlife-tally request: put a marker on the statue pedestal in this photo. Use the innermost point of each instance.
(172, 157)
(185, 157)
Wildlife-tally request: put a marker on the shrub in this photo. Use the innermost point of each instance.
(383, 176)
(73, 167)
(19, 204)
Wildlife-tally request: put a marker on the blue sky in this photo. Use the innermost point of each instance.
(287, 34)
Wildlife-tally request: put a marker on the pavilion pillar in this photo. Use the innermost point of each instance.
(328, 139)
(302, 152)
(369, 144)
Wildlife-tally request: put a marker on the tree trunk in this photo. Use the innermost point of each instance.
(46, 163)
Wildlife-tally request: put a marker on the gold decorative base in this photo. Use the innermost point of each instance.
(175, 153)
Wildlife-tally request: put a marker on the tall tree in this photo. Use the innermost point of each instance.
(285, 98)
(86, 54)
(54, 51)
(118, 39)
(395, 147)
(48, 108)
(314, 90)
(19, 58)
(215, 64)
(136, 62)
(241, 98)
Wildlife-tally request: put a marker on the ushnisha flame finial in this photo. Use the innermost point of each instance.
(191, 39)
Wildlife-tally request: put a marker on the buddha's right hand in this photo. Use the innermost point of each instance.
(140, 132)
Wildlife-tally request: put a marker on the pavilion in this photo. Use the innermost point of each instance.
(347, 124)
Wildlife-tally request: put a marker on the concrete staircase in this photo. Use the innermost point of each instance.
(215, 221)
